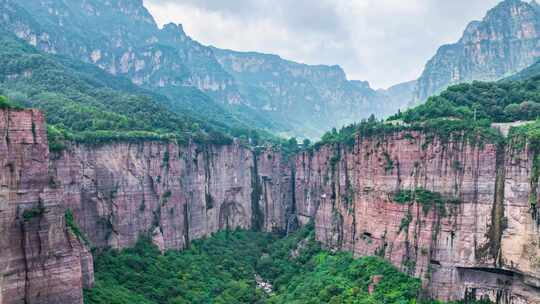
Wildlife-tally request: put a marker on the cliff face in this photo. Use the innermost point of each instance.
(178, 194)
(503, 43)
(480, 240)
(41, 260)
(461, 217)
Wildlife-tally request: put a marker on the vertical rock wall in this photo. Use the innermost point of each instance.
(482, 241)
(41, 261)
(177, 193)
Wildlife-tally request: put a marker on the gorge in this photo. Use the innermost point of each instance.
(480, 237)
(115, 130)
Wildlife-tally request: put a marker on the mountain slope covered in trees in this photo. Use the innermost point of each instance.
(83, 102)
(122, 38)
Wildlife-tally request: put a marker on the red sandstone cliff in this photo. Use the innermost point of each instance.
(484, 241)
(41, 261)
(179, 193)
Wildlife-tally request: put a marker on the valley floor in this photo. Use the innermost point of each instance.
(247, 267)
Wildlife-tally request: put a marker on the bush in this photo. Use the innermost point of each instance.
(34, 212)
(73, 227)
(6, 104)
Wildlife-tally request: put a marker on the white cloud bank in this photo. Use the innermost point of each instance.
(382, 41)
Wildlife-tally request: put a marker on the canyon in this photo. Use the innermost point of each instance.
(481, 240)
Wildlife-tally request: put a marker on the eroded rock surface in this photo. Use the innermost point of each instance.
(119, 191)
(481, 240)
(41, 260)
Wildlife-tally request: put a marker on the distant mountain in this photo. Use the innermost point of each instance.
(503, 43)
(313, 98)
(122, 38)
(81, 98)
(400, 95)
(527, 73)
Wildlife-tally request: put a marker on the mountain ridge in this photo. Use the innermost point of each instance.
(504, 42)
(170, 62)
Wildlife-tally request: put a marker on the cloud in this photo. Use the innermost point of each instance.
(382, 41)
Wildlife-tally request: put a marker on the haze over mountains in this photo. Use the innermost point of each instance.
(261, 90)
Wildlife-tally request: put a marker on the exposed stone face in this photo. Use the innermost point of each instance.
(485, 245)
(503, 43)
(120, 191)
(41, 261)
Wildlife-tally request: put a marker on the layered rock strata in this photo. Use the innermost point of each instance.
(41, 259)
(177, 193)
(480, 239)
(460, 216)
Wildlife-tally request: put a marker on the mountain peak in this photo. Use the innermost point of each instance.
(508, 6)
(487, 50)
(174, 28)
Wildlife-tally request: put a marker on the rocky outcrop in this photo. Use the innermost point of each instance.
(41, 259)
(475, 236)
(503, 43)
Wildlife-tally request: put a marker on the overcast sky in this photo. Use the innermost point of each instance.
(382, 41)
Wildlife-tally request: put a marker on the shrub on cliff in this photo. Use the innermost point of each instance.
(7, 104)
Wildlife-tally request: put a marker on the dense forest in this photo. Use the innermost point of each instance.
(247, 267)
(466, 110)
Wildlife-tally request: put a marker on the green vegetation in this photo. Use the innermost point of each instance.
(6, 104)
(218, 270)
(426, 198)
(529, 136)
(491, 101)
(223, 269)
(73, 227)
(34, 212)
(474, 132)
(405, 222)
(465, 111)
(82, 103)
